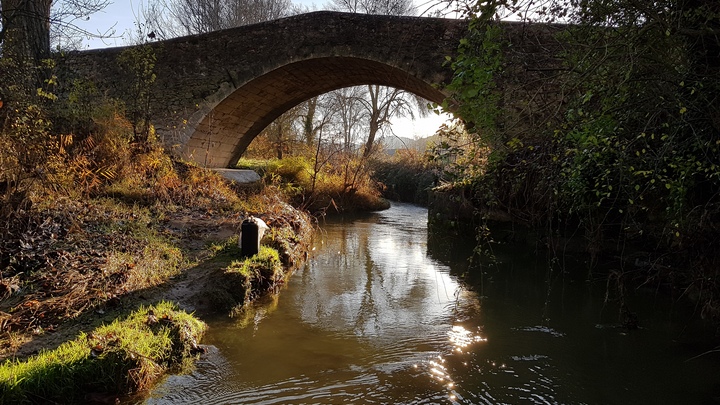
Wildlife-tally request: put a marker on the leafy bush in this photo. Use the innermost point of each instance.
(295, 170)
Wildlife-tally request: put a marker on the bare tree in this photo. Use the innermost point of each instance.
(245, 12)
(64, 14)
(316, 115)
(199, 16)
(384, 7)
(382, 103)
(350, 117)
(172, 18)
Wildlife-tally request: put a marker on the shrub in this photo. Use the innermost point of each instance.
(408, 176)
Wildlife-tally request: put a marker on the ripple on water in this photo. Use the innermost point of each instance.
(542, 329)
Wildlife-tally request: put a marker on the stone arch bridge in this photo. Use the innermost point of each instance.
(214, 93)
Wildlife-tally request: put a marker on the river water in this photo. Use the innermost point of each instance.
(379, 316)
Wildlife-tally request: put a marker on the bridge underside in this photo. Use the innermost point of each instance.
(223, 134)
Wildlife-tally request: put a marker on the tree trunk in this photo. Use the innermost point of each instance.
(374, 121)
(372, 132)
(280, 141)
(25, 33)
(308, 127)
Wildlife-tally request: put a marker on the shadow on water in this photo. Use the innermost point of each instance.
(380, 315)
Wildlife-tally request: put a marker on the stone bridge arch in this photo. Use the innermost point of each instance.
(215, 92)
(224, 133)
(296, 58)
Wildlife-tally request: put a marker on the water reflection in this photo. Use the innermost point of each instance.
(377, 316)
(369, 305)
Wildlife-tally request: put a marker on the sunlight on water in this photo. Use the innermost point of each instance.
(459, 339)
(462, 338)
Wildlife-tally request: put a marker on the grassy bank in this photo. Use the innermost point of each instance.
(237, 280)
(113, 220)
(114, 360)
(73, 262)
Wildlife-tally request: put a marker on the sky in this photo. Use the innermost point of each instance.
(120, 18)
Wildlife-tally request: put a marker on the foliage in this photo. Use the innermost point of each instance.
(25, 132)
(473, 87)
(86, 195)
(121, 358)
(630, 153)
(639, 138)
(139, 62)
(339, 183)
(467, 154)
(86, 163)
(462, 155)
(407, 176)
(25, 142)
(295, 172)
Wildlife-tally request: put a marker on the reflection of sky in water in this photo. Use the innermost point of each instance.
(384, 281)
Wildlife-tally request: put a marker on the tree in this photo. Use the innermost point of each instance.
(316, 115)
(281, 132)
(348, 116)
(382, 7)
(27, 142)
(245, 12)
(171, 18)
(199, 16)
(25, 32)
(381, 103)
(26, 25)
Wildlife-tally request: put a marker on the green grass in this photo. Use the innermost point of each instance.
(296, 170)
(225, 248)
(121, 358)
(247, 279)
(259, 165)
(266, 264)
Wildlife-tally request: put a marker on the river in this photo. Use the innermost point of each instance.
(379, 316)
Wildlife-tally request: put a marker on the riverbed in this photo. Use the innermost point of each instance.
(384, 313)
